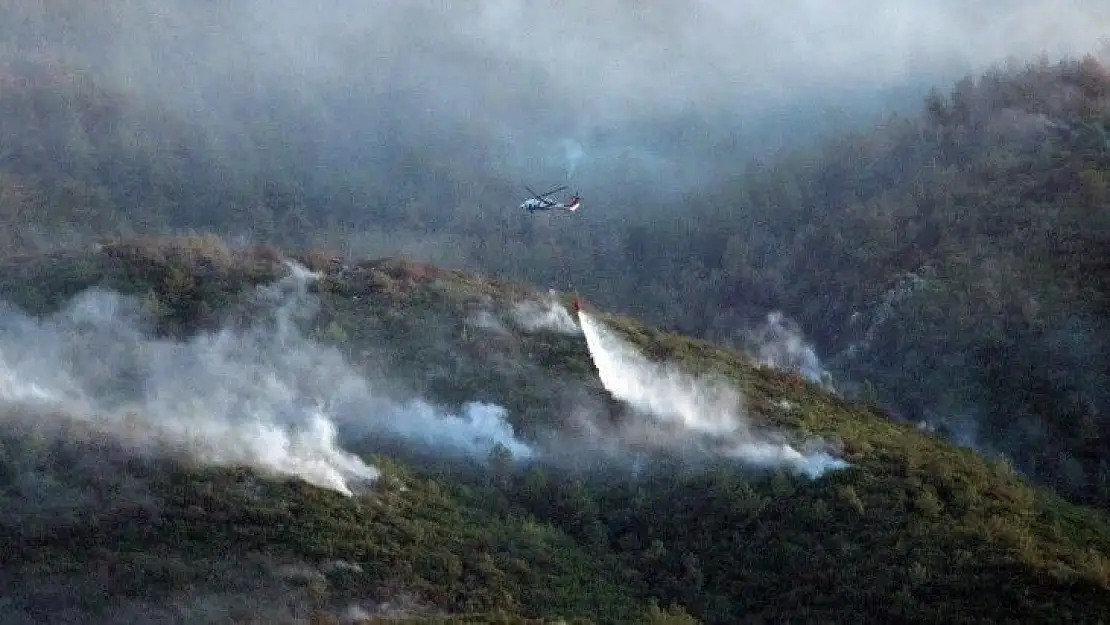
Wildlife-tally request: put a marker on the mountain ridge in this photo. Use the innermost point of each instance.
(992, 191)
(913, 528)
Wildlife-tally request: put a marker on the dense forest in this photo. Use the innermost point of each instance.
(947, 264)
(117, 515)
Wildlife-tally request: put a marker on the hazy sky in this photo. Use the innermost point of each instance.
(610, 58)
(502, 70)
(604, 57)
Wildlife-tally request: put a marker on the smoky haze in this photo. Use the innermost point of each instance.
(600, 94)
(264, 396)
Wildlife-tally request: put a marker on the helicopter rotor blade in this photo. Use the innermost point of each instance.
(556, 189)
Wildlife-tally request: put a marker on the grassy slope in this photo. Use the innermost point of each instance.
(917, 528)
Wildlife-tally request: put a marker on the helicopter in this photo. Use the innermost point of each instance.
(541, 201)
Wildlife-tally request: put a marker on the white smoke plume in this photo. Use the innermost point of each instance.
(779, 343)
(547, 315)
(698, 406)
(263, 396)
(573, 153)
(474, 432)
(486, 320)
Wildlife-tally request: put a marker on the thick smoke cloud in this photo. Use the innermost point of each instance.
(263, 396)
(546, 89)
(684, 410)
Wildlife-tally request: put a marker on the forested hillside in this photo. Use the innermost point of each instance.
(956, 262)
(164, 461)
(948, 263)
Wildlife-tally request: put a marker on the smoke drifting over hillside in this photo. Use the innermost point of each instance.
(687, 406)
(412, 127)
(263, 396)
(779, 342)
(549, 314)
